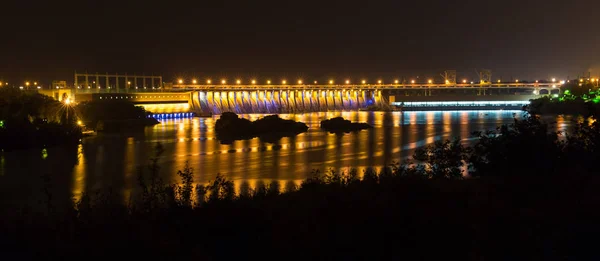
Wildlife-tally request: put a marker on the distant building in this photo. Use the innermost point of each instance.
(59, 85)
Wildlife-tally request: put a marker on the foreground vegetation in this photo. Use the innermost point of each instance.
(30, 120)
(531, 195)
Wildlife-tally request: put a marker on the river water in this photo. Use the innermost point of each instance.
(112, 160)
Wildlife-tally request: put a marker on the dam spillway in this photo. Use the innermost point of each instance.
(282, 101)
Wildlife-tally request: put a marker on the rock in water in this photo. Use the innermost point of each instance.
(230, 127)
(340, 125)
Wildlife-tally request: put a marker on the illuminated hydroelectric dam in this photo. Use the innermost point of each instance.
(215, 99)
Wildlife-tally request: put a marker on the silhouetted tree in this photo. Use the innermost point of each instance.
(526, 147)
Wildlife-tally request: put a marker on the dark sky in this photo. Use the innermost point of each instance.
(46, 40)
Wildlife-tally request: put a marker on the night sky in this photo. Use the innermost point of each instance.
(48, 40)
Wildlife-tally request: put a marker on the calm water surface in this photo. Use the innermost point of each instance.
(112, 160)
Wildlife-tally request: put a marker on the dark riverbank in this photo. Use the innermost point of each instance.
(380, 218)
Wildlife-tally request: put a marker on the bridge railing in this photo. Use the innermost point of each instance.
(125, 90)
(359, 86)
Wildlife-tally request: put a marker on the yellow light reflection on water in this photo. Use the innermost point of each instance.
(78, 183)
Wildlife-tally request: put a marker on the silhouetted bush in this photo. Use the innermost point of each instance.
(526, 147)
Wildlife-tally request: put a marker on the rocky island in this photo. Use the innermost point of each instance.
(340, 125)
(231, 127)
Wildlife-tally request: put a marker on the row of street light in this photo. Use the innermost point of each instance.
(238, 81)
(429, 81)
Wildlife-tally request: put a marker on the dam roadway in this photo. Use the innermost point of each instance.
(280, 98)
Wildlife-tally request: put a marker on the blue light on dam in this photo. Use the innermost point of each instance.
(172, 115)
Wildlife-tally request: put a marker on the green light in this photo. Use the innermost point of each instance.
(44, 153)
(1, 124)
(567, 92)
(555, 95)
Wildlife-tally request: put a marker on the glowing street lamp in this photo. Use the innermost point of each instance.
(379, 81)
(447, 82)
(208, 81)
(396, 81)
(364, 82)
(299, 81)
(330, 81)
(517, 80)
(253, 81)
(429, 81)
(553, 79)
(315, 82)
(464, 81)
(194, 81)
(34, 83)
(269, 82)
(347, 81)
(498, 81)
(223, 81)
(412, 81)
(238, 81)
(180, 81)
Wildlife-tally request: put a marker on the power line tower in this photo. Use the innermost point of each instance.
(449, 76)
(485, 76)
